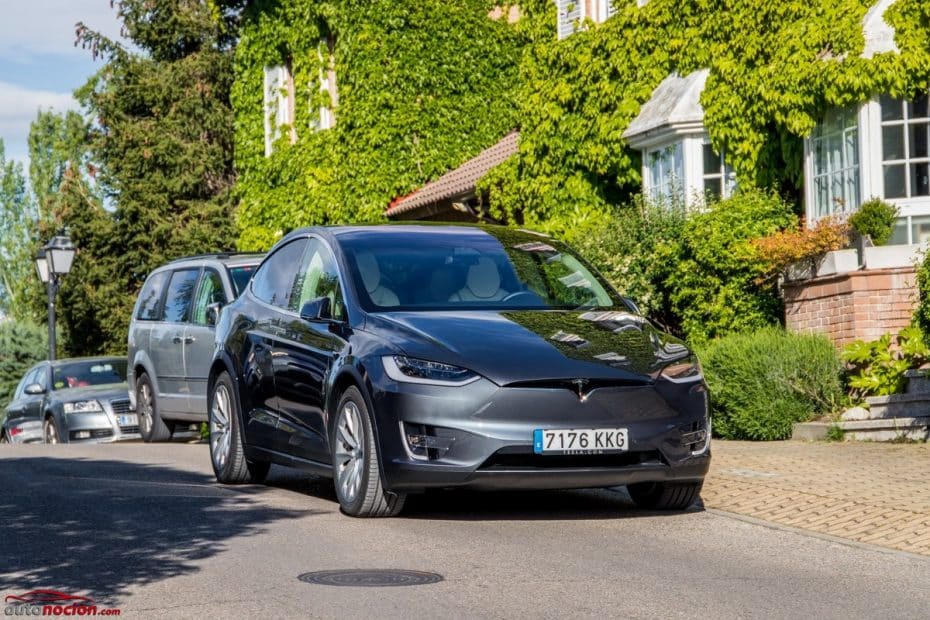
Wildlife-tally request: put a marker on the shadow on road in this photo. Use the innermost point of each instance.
(102, 526)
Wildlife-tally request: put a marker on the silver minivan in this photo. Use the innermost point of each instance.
(171, 338)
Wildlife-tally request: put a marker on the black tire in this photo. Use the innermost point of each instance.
(366, 498)
(151, 426)
(665, 495)
(227, 452)
(3, 438)
(50, 432)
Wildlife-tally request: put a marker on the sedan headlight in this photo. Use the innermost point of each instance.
(83, 406)
(684, 370)
(411, 370)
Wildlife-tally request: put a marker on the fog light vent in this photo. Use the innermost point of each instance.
(426, 442)
(694, 436)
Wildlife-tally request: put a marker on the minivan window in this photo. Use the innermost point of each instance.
(275, 278)
(150, 297)
(180, 294)
(209, 292)
(241, 274)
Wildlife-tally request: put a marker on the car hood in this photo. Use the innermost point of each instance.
(535, 346)
(112, 391)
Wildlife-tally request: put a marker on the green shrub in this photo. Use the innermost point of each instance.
(636, 249)
(21, 345)
(876, 219)
(877, 368)
(718, 285)
(764, 381)
(922, 312)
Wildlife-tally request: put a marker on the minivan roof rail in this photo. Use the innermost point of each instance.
(215, 255)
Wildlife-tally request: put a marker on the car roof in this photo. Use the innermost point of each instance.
(408, 228)
(90, 358)
(227, 258)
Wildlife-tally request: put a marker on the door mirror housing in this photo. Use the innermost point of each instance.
(213, 313)
(34, 389)
(317, 310)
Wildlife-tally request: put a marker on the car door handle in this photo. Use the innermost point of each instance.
(177, 340)
(189, 339)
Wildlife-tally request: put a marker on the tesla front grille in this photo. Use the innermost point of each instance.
(505, 459)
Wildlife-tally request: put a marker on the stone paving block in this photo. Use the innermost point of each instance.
(868, 492)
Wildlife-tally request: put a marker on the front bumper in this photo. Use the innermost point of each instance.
(104, 426)
(490, 432)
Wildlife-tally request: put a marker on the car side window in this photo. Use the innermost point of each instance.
(150, 297)
(318, 277)
(21, 388)
(210, 291)
(276, 277)
(42, 377)
(180, 295)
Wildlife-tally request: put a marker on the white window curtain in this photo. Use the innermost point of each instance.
(666, 173)
(834, 148)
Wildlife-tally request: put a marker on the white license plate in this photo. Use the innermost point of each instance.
(580, 440)
(128, 420)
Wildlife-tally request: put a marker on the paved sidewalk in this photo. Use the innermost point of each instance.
(876, 493)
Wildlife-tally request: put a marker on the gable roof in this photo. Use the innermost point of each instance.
(458, 182)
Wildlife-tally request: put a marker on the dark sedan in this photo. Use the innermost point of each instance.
(400, 358)
(72, 400)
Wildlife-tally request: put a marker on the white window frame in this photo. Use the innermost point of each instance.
(669, 183)
(724, 175)
(278, 104)
(847, 202)
(327, 80)
(572, 13)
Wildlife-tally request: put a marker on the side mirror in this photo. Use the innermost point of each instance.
(317, 310)
(34, 389)
(213, 313)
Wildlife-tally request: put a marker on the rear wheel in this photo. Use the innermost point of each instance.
(3, 438)
(50, 431)
(226, 448)
(355, 462)
(151, 426)
(665, 495)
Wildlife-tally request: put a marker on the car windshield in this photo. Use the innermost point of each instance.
(470, 268)
(85, 373)
(241, 274)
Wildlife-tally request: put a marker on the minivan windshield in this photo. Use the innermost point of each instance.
(470, 268)
(86, 373)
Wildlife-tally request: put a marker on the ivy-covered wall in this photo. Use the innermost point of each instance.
(423, 86)
(775, 67)
(426, 84)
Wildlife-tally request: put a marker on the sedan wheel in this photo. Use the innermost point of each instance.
(226, 449)
(355, 462)
(51, 431)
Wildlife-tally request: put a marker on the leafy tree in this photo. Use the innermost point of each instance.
(161, 148)
(17, 240)
(22, 344)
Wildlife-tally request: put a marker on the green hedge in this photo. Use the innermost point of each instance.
(21, 346)
(762, 382)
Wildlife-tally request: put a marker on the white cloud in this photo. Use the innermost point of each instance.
(19, 107)
(48, 26)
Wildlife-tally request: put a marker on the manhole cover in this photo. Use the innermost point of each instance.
(370, 578)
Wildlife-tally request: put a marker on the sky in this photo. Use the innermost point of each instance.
(39, 64)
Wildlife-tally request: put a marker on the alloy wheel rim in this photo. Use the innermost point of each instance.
(350, 451)
(145, 400)
(219, 426)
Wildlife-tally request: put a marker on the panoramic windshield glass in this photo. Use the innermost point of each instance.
(470, 268)
(88, 372)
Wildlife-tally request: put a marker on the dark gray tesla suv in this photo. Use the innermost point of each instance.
(400, 358)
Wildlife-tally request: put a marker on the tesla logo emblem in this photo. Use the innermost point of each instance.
(579, 386)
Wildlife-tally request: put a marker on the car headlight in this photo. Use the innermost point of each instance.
(684, 370)
(411, 370)
(83, 406)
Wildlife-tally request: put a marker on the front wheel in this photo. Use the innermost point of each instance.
(226, 449)
(665, 495)
(50, 431)
(355, 462)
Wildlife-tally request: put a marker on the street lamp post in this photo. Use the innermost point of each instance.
(52, 263)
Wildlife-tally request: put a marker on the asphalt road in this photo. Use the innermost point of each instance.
(145, 528)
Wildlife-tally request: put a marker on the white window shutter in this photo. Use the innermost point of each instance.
(611, 7)
(273, 84)
(569, 16)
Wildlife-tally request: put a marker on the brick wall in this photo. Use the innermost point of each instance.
(860, 305)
